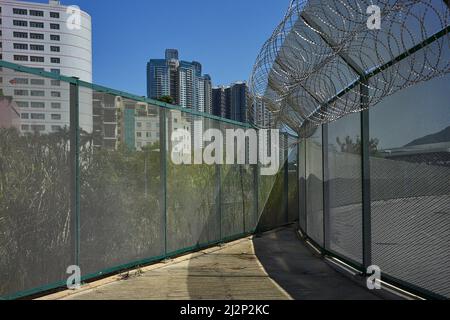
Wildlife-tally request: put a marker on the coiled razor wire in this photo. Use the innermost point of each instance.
(323, 60)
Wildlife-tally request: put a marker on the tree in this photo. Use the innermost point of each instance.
(166, 99)
(355, 147)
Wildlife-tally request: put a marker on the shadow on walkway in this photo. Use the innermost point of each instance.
(302, 274)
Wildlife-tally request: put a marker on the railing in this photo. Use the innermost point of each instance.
(86, 179)
(375, 188)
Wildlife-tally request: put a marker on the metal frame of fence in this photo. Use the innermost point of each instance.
(363, 83)
(75, 189)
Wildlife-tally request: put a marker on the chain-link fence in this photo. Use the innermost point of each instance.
(87, 179)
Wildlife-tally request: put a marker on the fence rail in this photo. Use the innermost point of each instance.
(101, 192)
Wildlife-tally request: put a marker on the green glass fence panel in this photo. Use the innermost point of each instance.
(238, 188)
(272, 188)
(233, 201)
(249, 196)
(410, 189)
(344, 196)
(120, 182)
(302, 184)
(293, 191)
(314, 187)
(37, 238)
(192, 197)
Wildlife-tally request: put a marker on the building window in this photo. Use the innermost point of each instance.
(37, 93)
(22, 104)
(38, 116)
(20, 23)
(36, 127)
(37, 82)
(138, 134)
(36, 13)
(20, 46)
(55, 83)
(54, 26)
(54, 15)
(139, 124)
(56, 94)
(34, 24)
(20, 81)
(24, 116)
(18, 92)
(17, 34)
(36, 47)
(38, 36)
(54, 49)
(25, 127)
(20, 58)
(22, 12)
(56, 105)
(56, 128)
(37, 59)
(56, 117)
(55, 60)
(56, 71)
(55, 37)
(38, 105)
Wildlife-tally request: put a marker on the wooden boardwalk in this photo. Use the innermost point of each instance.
(273, 266)
(228, 272)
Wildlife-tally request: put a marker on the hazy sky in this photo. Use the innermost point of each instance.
(224, 35)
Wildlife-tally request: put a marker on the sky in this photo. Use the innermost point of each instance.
(224, 35)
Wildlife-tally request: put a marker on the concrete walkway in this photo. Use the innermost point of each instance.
(275, 265)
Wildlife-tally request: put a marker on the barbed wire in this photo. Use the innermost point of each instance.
(324, 60)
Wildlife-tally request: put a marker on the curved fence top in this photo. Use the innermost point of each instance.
(330, 58)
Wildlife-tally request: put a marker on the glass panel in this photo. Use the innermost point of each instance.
(410, 189)
(302, 184)
(272, 201)
(37, 238)
(250, 215)
(192, 195)
(121, 220)
(343, 179)
(238, 199)
(314, 187)
(293, 180)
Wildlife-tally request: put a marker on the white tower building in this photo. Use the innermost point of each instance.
(38, 35)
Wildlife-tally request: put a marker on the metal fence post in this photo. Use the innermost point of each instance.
(218, 193)
(163, 135)
(365, 156)
(326, 188)
(75, 163)
(256, 172)
(286, 177)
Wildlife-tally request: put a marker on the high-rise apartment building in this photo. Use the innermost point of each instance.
(219, 102)
(231, 102)
(181, 80)
(37, 35)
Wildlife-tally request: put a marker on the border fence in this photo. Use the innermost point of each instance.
(102, 193)
(372, 107)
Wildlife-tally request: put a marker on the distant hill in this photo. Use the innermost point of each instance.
(441, 136)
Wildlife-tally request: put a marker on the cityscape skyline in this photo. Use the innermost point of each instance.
(209, 38)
